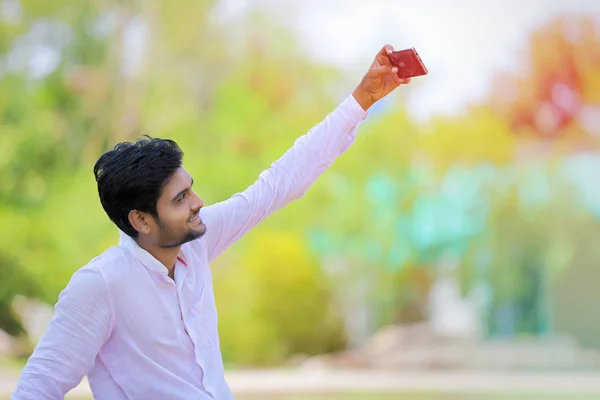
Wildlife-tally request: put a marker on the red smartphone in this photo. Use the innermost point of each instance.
(408, 62)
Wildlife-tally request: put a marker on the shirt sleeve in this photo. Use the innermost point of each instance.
(286, 180)
(68, 349)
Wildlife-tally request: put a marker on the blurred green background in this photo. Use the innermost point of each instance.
(480, 223)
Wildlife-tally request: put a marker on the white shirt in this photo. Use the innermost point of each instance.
(136, 333)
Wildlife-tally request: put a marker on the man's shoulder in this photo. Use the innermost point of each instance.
(113, 260)
(105, 272)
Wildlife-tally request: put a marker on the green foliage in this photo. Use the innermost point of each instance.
(235, 96)
(536, 227)
(13, 276)
(214, 98)
(275, 302)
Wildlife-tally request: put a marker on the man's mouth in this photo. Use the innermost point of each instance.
(194, 218)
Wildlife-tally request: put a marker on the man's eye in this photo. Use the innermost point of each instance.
(181, 198)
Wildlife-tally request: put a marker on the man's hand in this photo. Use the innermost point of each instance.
(379, 81)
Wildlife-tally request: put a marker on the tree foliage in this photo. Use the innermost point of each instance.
(77, 77)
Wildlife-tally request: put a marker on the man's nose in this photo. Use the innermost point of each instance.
(198, 203)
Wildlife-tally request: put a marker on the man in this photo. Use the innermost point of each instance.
(140, 320)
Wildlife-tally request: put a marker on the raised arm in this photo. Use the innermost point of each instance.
(68, 349)
(290, 176)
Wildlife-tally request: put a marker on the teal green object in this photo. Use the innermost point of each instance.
(444, 220)
(381, 191)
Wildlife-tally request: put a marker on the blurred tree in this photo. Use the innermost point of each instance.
(12, 276)
(233, 98)
(419, 197)
(536, 225)
(275, 303)
(560, 85)
(75, 78)
(478, 136)
(536, 219)
(70, 83)
(44, 126)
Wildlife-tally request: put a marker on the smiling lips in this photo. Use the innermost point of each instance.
(195, 218)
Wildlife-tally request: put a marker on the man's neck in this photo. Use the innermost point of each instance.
(166, 256)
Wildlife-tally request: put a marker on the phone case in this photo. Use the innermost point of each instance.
(408, 62)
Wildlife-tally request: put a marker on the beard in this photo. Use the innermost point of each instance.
(168, 239)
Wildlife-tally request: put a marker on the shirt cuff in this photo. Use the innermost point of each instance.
(351, 112)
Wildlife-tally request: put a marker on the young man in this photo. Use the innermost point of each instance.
(140, 320)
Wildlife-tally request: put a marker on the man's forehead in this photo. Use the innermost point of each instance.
(180, 179)
(182, 175)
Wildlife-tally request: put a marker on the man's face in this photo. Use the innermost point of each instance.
(178, 212)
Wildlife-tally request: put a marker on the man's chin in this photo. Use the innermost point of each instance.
(192, 234)
(198, 232)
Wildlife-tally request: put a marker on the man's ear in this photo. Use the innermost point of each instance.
(140, 221)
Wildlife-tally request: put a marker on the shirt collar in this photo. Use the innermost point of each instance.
(146, 258)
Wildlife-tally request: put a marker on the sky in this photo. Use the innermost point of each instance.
(464, 43)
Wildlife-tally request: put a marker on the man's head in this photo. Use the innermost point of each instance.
(147, 193)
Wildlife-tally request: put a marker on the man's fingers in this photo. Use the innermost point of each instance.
(382, 57)
(385, 50)
(384, 70)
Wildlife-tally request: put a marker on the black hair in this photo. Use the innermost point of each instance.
(131, 176)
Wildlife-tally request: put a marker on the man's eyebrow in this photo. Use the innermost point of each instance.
(183, 191)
